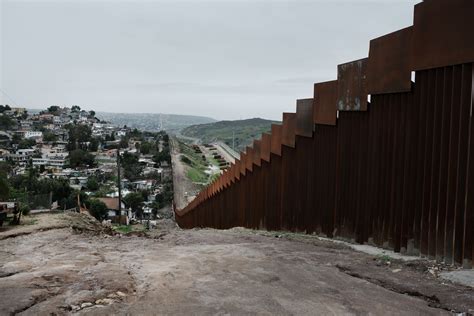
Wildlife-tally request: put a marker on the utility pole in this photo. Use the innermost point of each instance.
(119, 183)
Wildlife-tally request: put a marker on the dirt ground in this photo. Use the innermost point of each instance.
(182, 186)
(75, 267)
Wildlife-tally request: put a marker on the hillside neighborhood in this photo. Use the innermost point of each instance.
(65, 158)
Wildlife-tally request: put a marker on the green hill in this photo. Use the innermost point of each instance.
(244, 131)
(153, 121)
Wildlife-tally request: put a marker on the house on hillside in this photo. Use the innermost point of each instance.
(113, 211)
(143, 184)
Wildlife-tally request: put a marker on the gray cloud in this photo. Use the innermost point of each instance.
(225, 59)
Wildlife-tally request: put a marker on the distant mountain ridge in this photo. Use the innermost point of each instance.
(154, 121)
(238, 133)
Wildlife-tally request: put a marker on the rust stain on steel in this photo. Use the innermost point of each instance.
(304, 117)
(289, 129)
(243, 157)
(231, 172)
(237, 169)
(443, 33)
(389, 62)
(249, 159)
(325, 103)
(352, 86)
(257, 159)
(266, 147)
(226, 177)
(276, 139)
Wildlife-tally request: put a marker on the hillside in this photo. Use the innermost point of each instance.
(244, 131)
(153, 121)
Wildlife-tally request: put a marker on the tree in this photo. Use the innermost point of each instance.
(75, 108)
(16, 139)
(134, 201)
(155, 206)
(168, 193)
(4, 108)
(110, 137)
(162, 156)
(92, 113)
(132, 169)
(136, 133)
(6, 122)
(5, 168)
(81, 158)
(159, 198)
(79, 135)
(145, 148)
(92, 184)
(4, 188)
(98, 209)
(93, 144)
(123, 143)
(26, 143)
(49, 136)
(53, 109)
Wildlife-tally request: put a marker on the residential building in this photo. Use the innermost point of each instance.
(113, 214)
(33, 134)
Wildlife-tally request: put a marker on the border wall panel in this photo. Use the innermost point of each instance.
(396, 172)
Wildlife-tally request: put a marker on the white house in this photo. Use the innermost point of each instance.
(33, 134)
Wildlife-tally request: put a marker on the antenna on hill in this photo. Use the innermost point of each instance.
(233, 140)
(10, 98)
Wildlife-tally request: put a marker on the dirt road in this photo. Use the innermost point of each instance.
(182, 185)
(224, 153)
(207, 271)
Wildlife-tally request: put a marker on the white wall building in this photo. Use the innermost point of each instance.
(33, 134)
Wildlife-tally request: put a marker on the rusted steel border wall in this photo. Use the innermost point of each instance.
(396, 172)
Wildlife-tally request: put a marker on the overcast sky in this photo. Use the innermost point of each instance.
(226, 59)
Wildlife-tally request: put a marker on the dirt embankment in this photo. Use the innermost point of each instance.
(183, 186)
(48, 221)
(205, 271)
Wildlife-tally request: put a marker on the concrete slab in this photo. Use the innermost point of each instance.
(464, 277)
(372, 250)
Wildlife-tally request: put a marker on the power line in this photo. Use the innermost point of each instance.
(11, 99)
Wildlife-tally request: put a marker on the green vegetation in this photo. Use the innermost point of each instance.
(92, 183)
(244, 131)
(26, 143)
(6, 122)
(4, 188)
(384, 258)
(53, 109)
(135, 201)
(30, 190)
(79, 136)
(197, 176)
(166, 196)
(132, 169)
(98, 209)
(4, 108)
(195, 162)
(124, 229)
(81, 158)
(49, 136)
